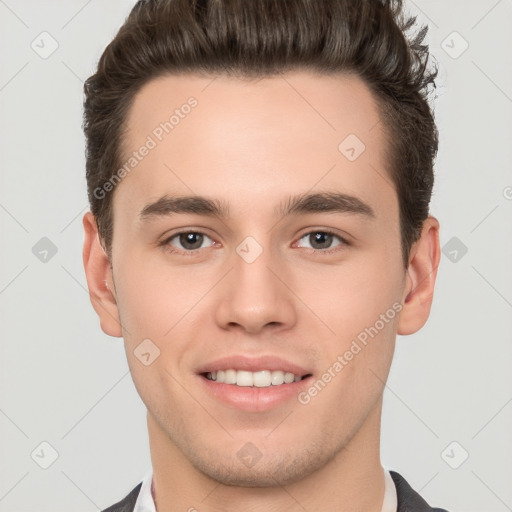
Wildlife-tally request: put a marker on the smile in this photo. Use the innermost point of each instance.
(259, 379)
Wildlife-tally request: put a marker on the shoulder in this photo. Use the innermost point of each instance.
(127, 504)
(408, 499)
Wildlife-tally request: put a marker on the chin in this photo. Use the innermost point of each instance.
(268, 471)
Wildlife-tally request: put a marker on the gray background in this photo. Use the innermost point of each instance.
(64, 382)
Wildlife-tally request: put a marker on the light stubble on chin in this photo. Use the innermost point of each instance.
(318, 448)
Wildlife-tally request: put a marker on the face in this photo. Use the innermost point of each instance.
(284, 262)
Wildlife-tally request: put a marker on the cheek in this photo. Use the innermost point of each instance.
(354, 371)
(353, 295)
(154, 298)
(158, 307)
(360, 304)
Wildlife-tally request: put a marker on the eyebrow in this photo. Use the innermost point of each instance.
(321, 202)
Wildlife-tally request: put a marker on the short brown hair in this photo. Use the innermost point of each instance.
(262, 38)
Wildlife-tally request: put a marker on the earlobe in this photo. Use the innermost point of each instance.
(421, 278)
(99, 278)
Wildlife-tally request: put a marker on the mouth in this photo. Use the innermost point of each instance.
(253, 383)
(258, 379)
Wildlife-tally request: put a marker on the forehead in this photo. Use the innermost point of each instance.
(251, 140)
(330, 105)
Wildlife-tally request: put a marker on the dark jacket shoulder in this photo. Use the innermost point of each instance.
(127, 504)
(408, 499)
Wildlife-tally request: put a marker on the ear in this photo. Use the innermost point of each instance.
(99, 278)
(421, 278)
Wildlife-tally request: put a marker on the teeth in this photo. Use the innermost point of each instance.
(244, 378)
(230, 377)
(277, 378)
(260, 379)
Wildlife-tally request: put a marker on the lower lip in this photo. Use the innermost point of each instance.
(251, 398)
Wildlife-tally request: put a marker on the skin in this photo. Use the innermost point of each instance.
(252, 144)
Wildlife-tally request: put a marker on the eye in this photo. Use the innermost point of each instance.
(191, 241)
(322, 240)
(188, 241)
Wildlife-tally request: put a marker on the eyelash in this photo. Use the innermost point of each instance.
(166, 243)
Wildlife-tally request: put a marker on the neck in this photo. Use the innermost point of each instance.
(352, 480)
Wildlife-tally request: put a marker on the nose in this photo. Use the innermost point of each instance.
(255, 295)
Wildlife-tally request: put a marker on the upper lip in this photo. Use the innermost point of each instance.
(253, 364)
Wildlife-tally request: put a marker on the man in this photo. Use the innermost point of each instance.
(259, 175)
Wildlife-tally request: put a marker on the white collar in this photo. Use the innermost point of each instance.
(390, 503)
(145, 502)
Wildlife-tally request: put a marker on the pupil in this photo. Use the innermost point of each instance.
(194, 239)
(322, 239)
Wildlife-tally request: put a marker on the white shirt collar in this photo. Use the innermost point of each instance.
(145, 502)
(390, 503)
